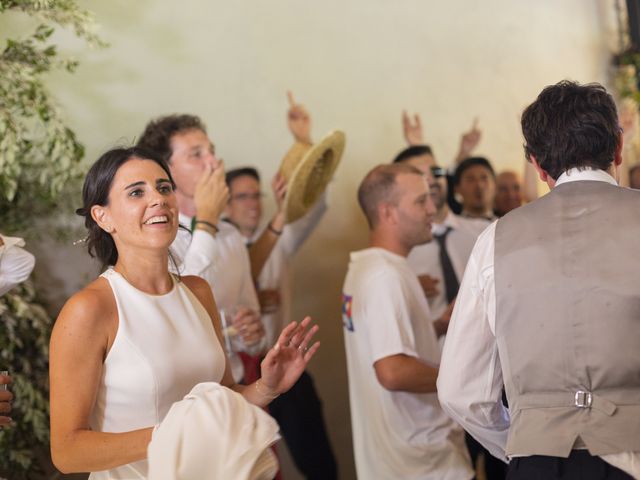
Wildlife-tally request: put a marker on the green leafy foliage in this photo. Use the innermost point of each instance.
(24, 350)
(39, 172)
(39, 154)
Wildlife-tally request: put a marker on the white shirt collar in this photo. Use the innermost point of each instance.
(575, 175)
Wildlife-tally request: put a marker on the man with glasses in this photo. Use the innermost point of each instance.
(273, 246)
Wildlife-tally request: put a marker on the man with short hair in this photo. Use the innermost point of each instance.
(550, 306)
(205, 246)
(475, 181)
(399, 429)
(440, 264)
(508, 192)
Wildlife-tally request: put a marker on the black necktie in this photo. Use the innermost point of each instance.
(451, 284)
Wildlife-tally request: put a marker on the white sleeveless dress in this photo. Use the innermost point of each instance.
(164, 346)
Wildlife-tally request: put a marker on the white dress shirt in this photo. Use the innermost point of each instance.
(470, 379)
(425, 259)
(223, 261)
(16, 264)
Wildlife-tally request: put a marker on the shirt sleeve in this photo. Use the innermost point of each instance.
(295, 234)
(388, 322)
(470, 378)
(249, 298)
(16, 264)
(199, 254)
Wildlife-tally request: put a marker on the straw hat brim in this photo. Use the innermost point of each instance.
(312, 174)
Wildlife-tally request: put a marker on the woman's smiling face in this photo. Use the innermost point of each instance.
(142, 210)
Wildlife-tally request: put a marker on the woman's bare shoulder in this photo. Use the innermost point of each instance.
(89, 307)
(197, 285)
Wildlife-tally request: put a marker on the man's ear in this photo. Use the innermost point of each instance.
(100, 215)
(617, 159)
(386, 212)
(544, 175)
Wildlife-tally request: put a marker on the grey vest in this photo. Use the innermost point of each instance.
(567, 276)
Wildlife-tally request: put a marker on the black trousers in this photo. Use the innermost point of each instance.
(580, 465)
(494, 468)
(299, 414)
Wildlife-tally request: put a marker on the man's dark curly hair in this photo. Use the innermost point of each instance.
(571, 125)
(157, 134)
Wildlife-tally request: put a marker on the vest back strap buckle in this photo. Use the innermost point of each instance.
(583, 399)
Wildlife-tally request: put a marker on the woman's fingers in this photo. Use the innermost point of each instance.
(311, 352)
(307, 338)
(299, 335)
(285, 336)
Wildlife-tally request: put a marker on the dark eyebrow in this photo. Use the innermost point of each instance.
(142, 182)
(135, 184)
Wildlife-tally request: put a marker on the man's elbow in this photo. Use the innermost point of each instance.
(388, 380)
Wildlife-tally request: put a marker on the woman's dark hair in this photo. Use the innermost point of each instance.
(95, 191)
(571, 125)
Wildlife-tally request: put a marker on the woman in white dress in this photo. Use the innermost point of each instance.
(137, 339)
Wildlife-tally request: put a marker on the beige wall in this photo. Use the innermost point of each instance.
(355, 64)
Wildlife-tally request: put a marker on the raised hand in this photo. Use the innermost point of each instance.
(212, 194)
(298, 120)
(469, 140)
(412, 131)
(285, 362)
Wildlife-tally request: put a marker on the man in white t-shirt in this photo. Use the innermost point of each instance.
(205, 246)
(399, 429)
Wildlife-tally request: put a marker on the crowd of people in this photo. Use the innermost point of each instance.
(480, 332)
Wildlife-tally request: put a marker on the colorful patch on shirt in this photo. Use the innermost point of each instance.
(347, 319)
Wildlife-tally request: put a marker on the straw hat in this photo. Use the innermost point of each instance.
(308, 170)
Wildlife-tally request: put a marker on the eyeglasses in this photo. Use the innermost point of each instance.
(245, 197)
(438, 172)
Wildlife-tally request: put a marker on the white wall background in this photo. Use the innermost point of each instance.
(355, 64)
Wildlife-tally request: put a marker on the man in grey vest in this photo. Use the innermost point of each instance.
(550, 306)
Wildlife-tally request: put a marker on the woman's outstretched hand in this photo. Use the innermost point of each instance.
(285, 362)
